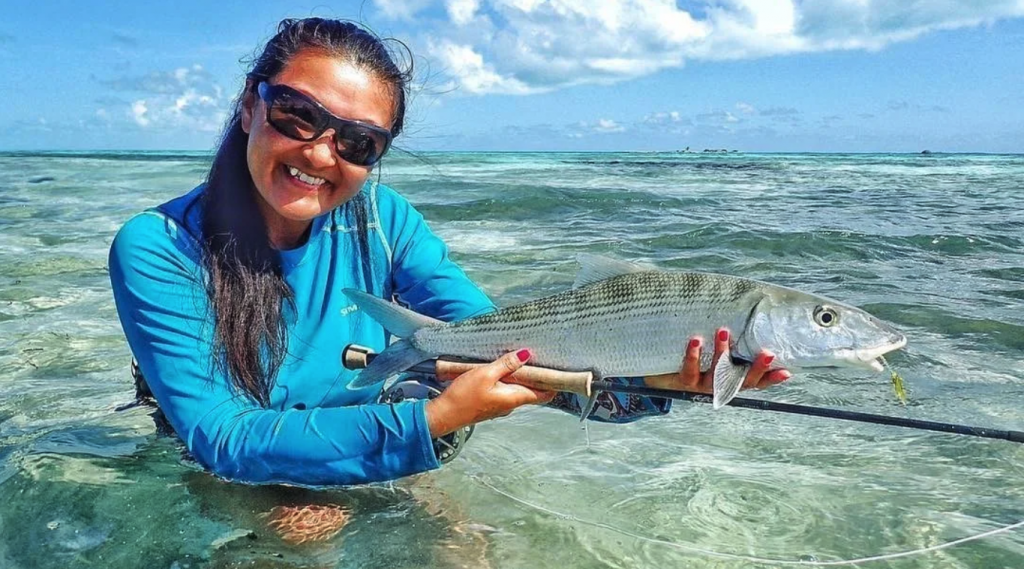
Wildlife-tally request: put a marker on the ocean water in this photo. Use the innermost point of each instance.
(934, 244)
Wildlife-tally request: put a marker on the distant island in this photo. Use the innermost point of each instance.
(706, 151)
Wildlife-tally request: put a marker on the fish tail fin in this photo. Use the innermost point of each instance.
(728, 380)
(397, 358)
(398, 321)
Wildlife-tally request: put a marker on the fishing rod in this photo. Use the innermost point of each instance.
(583, 383)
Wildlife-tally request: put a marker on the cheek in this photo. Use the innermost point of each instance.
(261, 152)
(261, 141)
(352, 180)
(252, 157)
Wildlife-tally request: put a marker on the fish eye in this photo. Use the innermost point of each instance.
(826, 316)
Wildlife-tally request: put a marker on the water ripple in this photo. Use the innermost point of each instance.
(933, 244)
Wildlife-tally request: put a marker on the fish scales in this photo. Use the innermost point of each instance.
(631, 324)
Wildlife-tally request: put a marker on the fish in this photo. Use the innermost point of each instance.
(624, 320)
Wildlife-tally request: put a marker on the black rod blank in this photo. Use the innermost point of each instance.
(761, 405)
(427, 368)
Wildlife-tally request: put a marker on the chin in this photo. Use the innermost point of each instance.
(301, 210)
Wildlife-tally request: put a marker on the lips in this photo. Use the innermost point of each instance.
(303, 179)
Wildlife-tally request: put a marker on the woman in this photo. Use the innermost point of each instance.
(230, 296)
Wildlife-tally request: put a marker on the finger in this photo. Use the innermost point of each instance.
(762, 362)
(774, 377)
(721, 348)
(689, 377)
(721, 343)
(504, 366)
(523, 395)
(542, 397)
(538, 396)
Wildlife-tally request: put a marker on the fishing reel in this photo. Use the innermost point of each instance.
(449, 446)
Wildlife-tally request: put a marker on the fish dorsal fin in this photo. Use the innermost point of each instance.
(594, 268)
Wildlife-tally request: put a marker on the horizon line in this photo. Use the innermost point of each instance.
(706, 151)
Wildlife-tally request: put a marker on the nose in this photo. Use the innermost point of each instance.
(320, 152)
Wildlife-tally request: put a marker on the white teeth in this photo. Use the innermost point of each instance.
(311, 180)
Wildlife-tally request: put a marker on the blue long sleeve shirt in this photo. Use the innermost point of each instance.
(315, 430)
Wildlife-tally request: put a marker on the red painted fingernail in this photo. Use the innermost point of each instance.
(523, 355)
(769, 359)
(695, 343)
(723, 335)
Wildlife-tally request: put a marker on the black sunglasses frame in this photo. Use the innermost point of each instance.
(326, 120)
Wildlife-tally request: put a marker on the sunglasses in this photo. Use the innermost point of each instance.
(299, 117)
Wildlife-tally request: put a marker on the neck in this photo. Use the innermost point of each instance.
(282, 233)
(283, 236)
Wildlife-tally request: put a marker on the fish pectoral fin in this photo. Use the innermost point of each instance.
(397, 358)
(595, 268)
(589, 407)
(728, 380)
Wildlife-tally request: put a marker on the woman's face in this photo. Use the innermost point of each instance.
(287, 202)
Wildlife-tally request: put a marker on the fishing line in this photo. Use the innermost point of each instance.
(739, 557)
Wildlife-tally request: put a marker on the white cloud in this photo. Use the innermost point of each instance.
(608, 125)
(530, 46)
(662, 118)
(600, 126)
(468, 70)
(461, 12)
(183, 98)
(667, 122)
(746, 108)
(138, 113)
(163, 81)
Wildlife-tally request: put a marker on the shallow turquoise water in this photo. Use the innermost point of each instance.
(932, 243)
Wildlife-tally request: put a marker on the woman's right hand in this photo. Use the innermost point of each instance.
(480, 394)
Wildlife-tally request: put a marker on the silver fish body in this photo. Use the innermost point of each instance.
(638, 324)
(628, 325)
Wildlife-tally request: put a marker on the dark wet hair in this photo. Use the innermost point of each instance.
(246, 288)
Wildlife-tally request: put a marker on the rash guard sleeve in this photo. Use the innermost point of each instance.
(424, 277)
(159, 292)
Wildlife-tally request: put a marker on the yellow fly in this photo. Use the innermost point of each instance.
(897, 382)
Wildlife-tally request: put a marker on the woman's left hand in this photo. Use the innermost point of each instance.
(690, 377)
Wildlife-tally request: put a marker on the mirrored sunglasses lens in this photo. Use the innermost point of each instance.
(360, 145)
(294, 117)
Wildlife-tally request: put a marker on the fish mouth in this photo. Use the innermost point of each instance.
(871, 357)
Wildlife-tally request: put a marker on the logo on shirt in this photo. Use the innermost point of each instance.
(349, 309)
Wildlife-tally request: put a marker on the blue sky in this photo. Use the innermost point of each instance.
(757, 75)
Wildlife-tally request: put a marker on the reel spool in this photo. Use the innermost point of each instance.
(449, 446)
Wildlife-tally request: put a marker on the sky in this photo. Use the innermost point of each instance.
(542, 75)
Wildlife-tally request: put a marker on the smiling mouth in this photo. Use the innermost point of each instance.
(304, 179)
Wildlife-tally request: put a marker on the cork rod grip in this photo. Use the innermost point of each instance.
(530, 376)
(358, 357)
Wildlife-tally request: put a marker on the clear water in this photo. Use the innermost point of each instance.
(934, 244)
